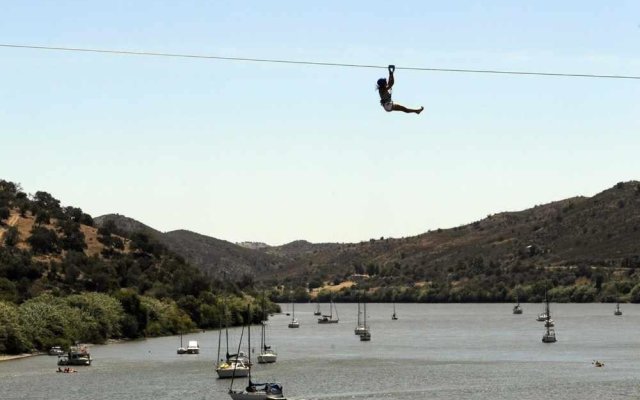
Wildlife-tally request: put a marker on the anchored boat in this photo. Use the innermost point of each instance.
(77, 355)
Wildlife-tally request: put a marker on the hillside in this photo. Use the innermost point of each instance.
(581, 248)
(600, 231)
(213, 256)
(63, 280)
(25, 223)
(573, 244)
(557, 243)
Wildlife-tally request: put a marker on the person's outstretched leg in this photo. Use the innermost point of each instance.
(398, 107)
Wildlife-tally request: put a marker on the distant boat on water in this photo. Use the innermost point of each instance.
(294, 323)
(193, 347)
(77, 355)
(617, 311)
(328, 319)
(234, 365)
(267, 354)
(365, 336)
(181, 349)
(56, 351)
(394, 316)
(517, 309)
(550, 334)
(317, 311)
(360, 328)
(543, 315)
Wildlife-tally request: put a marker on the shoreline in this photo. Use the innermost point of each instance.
(4, 357)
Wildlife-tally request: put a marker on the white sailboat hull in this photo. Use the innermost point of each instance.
(240, 372)
(244, 395)
(266, 358)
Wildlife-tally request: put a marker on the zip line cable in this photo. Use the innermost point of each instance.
(316, 63)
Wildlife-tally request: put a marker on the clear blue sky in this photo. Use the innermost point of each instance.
(274, 153)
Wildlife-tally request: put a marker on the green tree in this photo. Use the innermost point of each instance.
(73, 214)
(108, 228)
(635, 294)
(43, 217)
(86, 219)
(43, 240)
(165, 317)
(72, 236)
(46, 321)
(8, 291)
(12, 337)
(135, 321)
(4, 214)
(12, 236)
(46, 201)
(314, 283)
(106, 310)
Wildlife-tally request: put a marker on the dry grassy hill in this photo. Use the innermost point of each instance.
(504, 249)
(24, 225)
(603, 230)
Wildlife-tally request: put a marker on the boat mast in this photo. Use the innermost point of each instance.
(546, 298)
(358, 312)
(263, 336)
(331, 308)
(235, 365)
(226, 327)
(365, 315)
(219, 340)
(248, 338)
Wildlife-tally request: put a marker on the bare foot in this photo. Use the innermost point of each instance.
(420, 110)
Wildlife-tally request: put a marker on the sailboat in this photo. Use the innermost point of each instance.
(328, 319)
(365, 336)
(317, 311)
(181, 349)
(359, 327)
(394, 316)
(543, 315)
(267, 355)
(550, 334)
(294, 322)
(517, 309)
(617, 311)
(255, 391)
(234, 365)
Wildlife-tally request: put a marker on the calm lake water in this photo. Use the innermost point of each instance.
(434, 351)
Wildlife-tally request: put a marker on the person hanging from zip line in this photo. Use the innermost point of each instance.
(384, 90)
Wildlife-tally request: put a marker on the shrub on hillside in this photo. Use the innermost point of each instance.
(4, 214)
(43, 240)
(12, 236)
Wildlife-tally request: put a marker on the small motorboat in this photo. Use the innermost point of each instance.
(56, 351)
